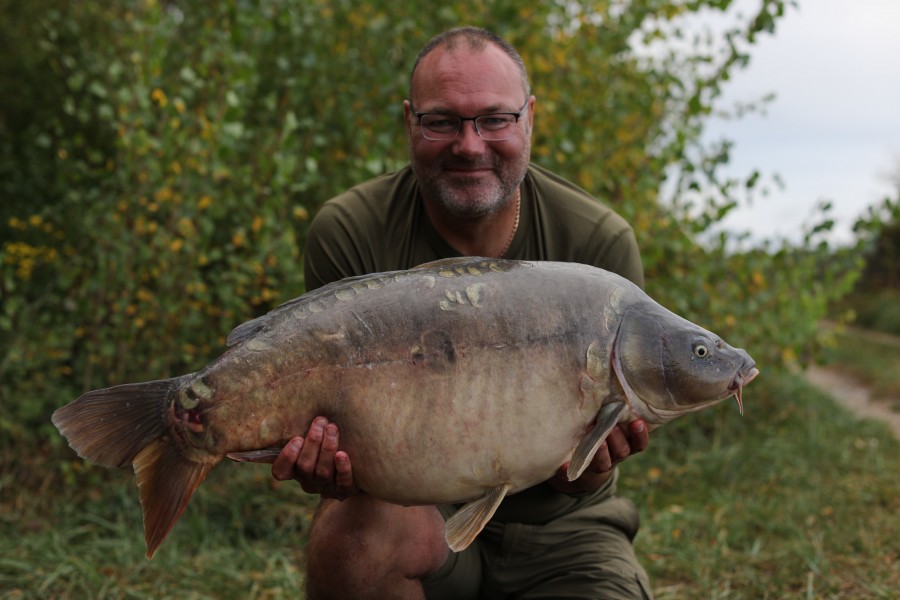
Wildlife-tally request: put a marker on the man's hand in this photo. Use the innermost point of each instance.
(623, 441)
(316, 462)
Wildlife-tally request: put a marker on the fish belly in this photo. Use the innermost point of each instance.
(500, 416)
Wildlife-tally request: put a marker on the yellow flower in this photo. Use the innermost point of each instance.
(159, 97)
(165, 193)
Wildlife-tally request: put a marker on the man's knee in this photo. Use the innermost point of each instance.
(362, 541)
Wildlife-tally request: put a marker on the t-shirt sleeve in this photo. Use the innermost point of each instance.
(620, 254)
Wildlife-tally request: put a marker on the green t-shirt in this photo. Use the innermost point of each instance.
(381, 225)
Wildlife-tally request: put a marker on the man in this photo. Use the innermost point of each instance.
(470, 191)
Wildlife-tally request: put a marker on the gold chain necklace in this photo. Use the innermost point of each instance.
(515, 228)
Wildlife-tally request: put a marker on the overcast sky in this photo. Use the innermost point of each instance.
(833, 130)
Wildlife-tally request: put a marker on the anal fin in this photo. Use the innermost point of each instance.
(607, 418)
(468, 521)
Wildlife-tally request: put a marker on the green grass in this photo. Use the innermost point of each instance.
(242, 536)
(871, 360)
(796, 500)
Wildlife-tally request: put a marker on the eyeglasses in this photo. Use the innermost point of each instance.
(440, 127)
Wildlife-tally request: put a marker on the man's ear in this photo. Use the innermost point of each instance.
(407, 113)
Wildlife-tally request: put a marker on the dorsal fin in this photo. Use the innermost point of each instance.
(251, 328)
(454, 261)
(245, 331)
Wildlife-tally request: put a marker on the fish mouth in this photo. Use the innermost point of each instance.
(741, 379)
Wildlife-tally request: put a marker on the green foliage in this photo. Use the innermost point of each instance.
(875, 300)
(159, 164)
(879, 230)
(879, 311)
(869, 357)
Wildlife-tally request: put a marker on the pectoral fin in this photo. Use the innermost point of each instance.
(468, 521)
(584, 452)
(264, 455)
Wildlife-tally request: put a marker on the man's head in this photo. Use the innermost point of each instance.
(469, 72)
(473, 38)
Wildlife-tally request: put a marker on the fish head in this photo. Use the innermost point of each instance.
(669, 366)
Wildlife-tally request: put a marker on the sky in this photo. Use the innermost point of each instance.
(833, 130)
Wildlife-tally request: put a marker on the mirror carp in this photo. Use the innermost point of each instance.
(460, 381)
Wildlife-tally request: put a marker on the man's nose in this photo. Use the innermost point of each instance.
(468, 142)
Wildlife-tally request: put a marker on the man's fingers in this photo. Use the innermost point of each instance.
(602, 460)
(316, 463)
(640, 436)
(343, 475)
(619, 448)
(325, 462)
(309, 454)
(283, 466)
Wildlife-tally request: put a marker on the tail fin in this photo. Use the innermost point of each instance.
(124, 425)
(109, 427)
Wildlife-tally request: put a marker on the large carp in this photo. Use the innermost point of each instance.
(459, 381)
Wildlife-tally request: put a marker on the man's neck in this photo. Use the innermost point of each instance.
(489, 236)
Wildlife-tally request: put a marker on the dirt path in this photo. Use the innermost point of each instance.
(854, 396)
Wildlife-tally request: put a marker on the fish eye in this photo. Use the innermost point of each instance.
(701, 351)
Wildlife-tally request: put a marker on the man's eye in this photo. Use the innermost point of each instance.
(438, 123)
(495, 121)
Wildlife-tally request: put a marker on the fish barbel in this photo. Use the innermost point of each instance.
(460, 381)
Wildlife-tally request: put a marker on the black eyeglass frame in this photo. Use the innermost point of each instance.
(419, 115)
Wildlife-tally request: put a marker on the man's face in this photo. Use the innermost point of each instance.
(468, 176)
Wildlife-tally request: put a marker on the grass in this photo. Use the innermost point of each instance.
(241, 537)
(873, 360)
(796, 500)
